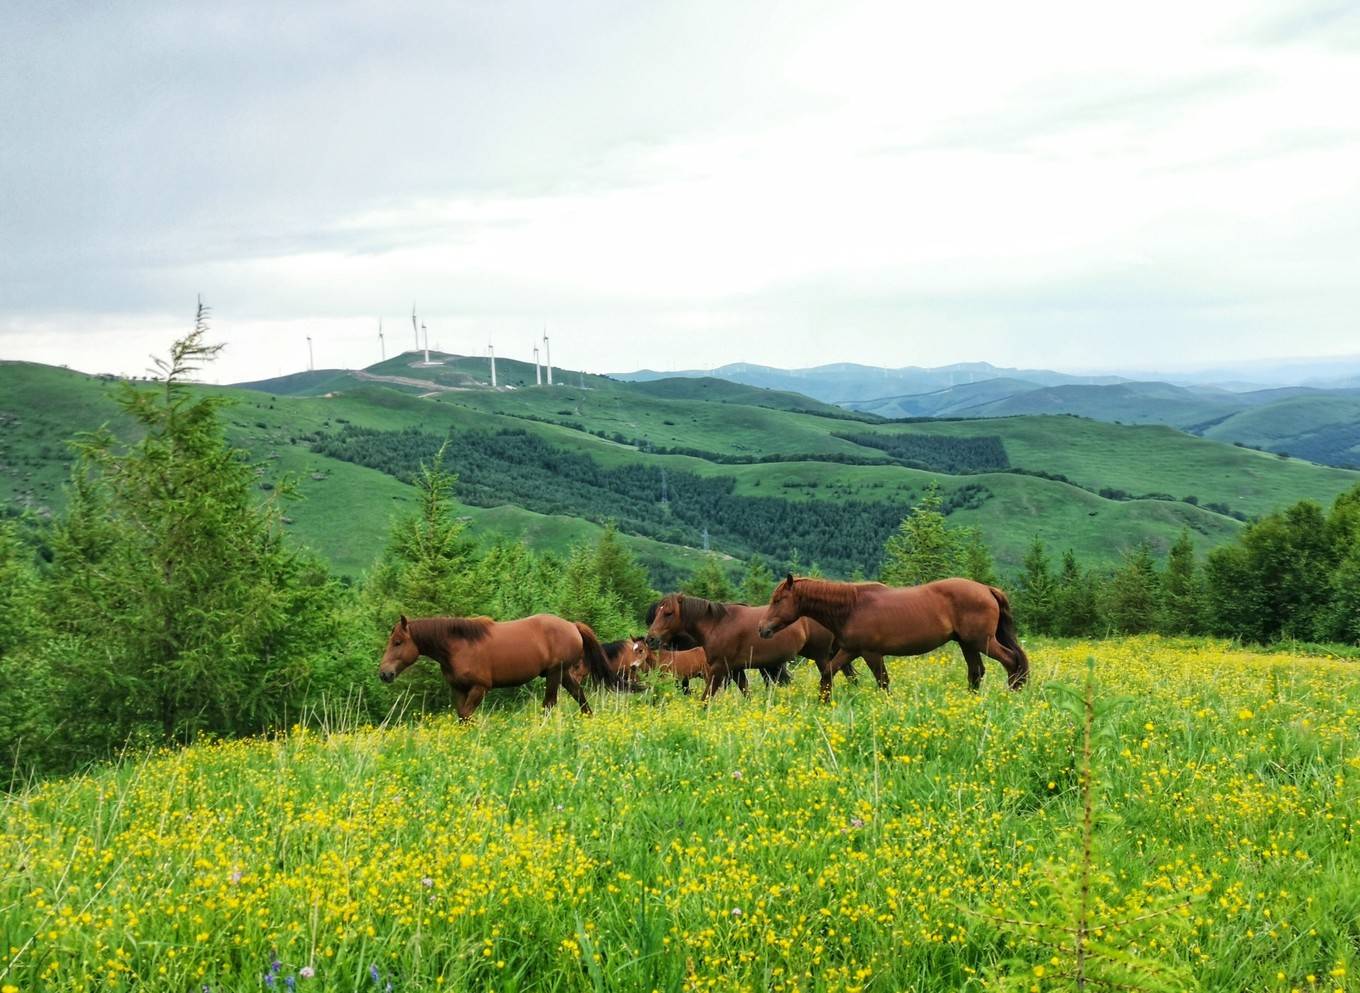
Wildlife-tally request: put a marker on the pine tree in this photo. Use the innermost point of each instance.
(26, 718)
(1135, 593)
(1076, 612)
(582, 597)
(709, 580)
(975, 560)
(1183, 599)
(923, 548)
(757, 583)
(427, 567)
(1035, 592)
(169, 567)
(621, 574)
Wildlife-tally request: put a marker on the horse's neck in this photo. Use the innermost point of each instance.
(829, 613)
(432, 642)
(701, 628)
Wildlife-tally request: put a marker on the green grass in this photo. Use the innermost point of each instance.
(763, 843)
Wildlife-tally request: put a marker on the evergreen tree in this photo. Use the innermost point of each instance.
(923, 548)
(26, 718)
(194, 613)
(709, 580)
(582, 597)
(1076, 611)
(621, 574)
(1276, 581)
(1036, 591)
(757, 583)
(426, 569)
(1183, 600)
(975, 560)
(1135, 593)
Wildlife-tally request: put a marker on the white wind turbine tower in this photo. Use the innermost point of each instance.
(538, 369)
(547, 356)
(311, 363)
(415, 329)
(491, 350)
(382, 342)
(427, 341)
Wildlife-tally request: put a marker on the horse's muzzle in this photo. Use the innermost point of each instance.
(653, 642)
(386, 677)
(767, 632)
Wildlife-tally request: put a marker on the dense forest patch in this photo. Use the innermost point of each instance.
(518, 467)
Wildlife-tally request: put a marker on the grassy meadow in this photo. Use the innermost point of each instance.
(770, 843)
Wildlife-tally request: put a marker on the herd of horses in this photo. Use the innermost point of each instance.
(830, 624)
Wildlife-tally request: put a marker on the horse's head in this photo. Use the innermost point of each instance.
(401, 651)
(783, 609)
(637, 653)
(665, 624)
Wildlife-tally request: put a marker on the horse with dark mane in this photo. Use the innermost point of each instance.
(872, 620)
(477, 654)
(729, 635)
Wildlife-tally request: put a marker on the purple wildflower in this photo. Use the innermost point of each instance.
(373, 973)
(290, 982)
(269, 979)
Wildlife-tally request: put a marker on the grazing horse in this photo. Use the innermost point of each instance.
(684, 665)
(873, 620)
(728, 633)
(625, 659)
(477, 654)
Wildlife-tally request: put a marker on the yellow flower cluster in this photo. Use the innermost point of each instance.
(767, 843)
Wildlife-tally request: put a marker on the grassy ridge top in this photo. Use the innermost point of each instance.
(768, 842)
(346, 507)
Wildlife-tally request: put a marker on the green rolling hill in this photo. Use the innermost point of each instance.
(763, 471)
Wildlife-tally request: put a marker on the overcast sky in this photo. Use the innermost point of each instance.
(671, 185)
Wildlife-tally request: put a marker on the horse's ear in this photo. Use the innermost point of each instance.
(404, 622)
(788, 580)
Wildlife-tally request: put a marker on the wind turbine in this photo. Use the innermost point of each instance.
(382, 343)
(311, 363)
(538, 369)
(547, 355)
(427, 342)
(414, 329)
(491, 350)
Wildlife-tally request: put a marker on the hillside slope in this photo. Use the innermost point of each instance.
(760, 471)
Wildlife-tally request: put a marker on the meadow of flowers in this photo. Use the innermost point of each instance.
(768, 843)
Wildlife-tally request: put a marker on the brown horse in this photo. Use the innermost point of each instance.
(729, 634)
(477, 654)
(873, 620)
(625, 659)
(692, 663)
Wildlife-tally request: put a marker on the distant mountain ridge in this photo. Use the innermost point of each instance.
(1318, 422)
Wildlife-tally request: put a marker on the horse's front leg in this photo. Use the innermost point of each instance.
(716, 675)
(470, 701)
(555, 677)
(880, 671)
(828, 670)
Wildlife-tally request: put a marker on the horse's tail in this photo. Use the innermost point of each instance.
(596, 661)
(1005, 635)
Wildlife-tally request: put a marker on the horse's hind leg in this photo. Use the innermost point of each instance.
(975, 667)
(470, 701)
(574, 688)
(1016, 673)
(740, 677)
(849, 671)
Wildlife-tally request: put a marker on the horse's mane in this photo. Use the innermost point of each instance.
(833, 601)
(443, 628)
(696, 608)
